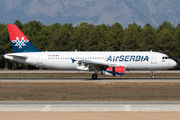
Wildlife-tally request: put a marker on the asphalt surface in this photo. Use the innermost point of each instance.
(103, 80)
(90, 106)
(75, 71)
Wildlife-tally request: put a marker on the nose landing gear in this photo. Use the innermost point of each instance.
(152, 76)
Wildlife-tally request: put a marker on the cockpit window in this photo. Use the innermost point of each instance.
(166, 58)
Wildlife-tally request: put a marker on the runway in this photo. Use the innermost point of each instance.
(101, 80)
(75, 71)
(89, 106)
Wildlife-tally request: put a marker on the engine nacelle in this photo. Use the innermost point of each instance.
(82, 68)
(113, 71)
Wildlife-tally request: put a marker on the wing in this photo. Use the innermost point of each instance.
(98, 65)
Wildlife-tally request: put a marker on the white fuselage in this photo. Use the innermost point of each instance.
(63, 60)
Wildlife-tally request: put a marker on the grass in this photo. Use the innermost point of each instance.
(89, 92)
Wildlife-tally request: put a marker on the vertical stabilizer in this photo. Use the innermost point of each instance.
(20, 43)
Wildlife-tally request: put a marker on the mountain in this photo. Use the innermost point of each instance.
(96, 12)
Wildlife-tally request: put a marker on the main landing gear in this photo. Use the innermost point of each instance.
(152, 76)
(94, 76)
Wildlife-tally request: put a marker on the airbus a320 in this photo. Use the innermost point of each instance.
(108, 63)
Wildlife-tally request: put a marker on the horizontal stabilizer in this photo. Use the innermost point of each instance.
(12, 56)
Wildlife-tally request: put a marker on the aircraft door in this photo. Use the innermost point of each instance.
(153, 58)
(40, 60)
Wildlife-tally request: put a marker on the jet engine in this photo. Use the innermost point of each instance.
(113, 71)
(82, 68)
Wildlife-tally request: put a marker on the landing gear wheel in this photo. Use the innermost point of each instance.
(94, 76)
(153, 76)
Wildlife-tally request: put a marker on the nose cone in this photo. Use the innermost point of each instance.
(174, 63)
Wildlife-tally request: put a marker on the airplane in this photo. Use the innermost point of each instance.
(108, 63)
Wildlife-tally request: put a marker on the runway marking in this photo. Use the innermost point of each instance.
(89, 106)
(127, 108)
(47, 108)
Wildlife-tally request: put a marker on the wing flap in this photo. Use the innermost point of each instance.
(95, 63)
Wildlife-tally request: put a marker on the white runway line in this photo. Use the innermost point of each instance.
(127, 108)
(88, 106)
(47, 108)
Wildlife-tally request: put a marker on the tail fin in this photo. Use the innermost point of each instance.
(19, 41)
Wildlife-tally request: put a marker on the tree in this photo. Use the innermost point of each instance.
(62, 38)
(95, 41)
(19, 24)
(165, 25)
(79, 36)
(148, 38)
(167, 43)
(114, 38)
(87, 37)
(131, 38)
(177, 48)
(5, 44)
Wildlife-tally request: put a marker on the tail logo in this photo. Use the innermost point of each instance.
(19, 43)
